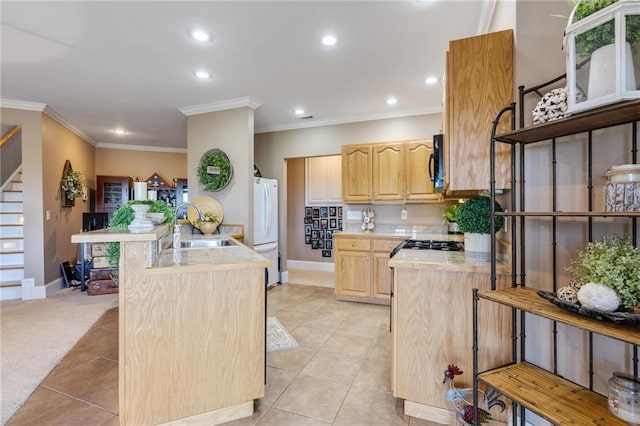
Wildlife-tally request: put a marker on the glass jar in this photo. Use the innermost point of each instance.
(624, 390)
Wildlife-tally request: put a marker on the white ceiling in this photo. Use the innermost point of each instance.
(102, 65)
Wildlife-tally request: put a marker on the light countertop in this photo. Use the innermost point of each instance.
(444, 260)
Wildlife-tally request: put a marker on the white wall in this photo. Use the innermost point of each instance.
(232, 132)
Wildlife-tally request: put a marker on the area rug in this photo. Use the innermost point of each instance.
(278, 338)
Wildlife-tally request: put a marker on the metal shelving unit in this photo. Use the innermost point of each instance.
(543, 391)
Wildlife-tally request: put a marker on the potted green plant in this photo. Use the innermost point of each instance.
(123, 217)
(613, 262)
(450, 214)
(474, 219)
(209, 223)
(602, 35)
(595, 39)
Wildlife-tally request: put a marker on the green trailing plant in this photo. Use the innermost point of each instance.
(474, 215)
(602, 35)
(612, 261)
(124, 215)
(451, 213)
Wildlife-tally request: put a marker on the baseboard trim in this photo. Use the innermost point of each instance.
(54, 286)
(311, 266)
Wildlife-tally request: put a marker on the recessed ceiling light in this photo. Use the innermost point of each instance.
(202, 74)
(431, 80)
(120, 131)
(392, 101)
(329, 40)
(200, 35)
(299, 111)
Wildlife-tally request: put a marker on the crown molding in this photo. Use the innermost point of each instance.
(486, 16)
(27, 106)
(221, 106)
(347, 120)
(57, 117)
(141, 148)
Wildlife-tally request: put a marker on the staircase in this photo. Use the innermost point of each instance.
(11, 239)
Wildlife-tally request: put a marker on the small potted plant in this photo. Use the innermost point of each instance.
(450, 214)
(123, 217)
(209, 223)
(594, 36)
(606, 275)
(474, 219)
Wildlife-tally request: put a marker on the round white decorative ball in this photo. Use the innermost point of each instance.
(598, 296)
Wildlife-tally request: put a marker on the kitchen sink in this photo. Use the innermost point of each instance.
(205, 243)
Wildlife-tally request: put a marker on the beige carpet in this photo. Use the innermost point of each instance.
(36, 335)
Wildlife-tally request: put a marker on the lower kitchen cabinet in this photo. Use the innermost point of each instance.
(432, 322)
(362, 271)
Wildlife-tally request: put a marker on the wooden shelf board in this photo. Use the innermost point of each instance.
(574, 214)
(556, 399)
(527, 299)
(607, 116)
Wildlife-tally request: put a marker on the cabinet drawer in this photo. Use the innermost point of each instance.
(352, 244)
(385, 245)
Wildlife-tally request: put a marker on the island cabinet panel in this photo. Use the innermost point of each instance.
(356, 173)
(191, 343)
(388, 172)
(479, 82)
(418, 184)
(432, 327)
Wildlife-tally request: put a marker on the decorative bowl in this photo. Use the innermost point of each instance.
(156, 218)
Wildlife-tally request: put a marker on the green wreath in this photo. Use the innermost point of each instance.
(220, 177)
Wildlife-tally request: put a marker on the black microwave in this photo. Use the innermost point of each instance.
(436, 163)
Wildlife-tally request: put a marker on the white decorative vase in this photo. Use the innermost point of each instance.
(140, 221)
(603, 71)
(453, 228)
(477, 246)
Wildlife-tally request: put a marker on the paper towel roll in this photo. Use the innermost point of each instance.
(140, 190)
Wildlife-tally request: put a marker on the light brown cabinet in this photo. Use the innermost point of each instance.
(112, 192)
(479, 82)
(395, 172)
(388, 172)
(356, 173)
(418, 184)
(432, 328)
(362, 271)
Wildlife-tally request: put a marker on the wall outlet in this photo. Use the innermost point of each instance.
(403, 214)
(48, 214)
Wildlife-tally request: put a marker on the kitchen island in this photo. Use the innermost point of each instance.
(432, 327)
(191, 329)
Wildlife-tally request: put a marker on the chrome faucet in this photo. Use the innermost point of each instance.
(177, 227)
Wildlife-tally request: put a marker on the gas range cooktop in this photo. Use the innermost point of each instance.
(427, 245)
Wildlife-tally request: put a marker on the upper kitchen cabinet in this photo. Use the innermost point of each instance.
(356, 173)
(323, 180)
(418, 184)
(479, 82)
(388, 172)
(112, 192)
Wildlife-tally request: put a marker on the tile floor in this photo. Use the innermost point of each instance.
(339, 375)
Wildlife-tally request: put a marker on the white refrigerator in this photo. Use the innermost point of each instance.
(265, 225)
